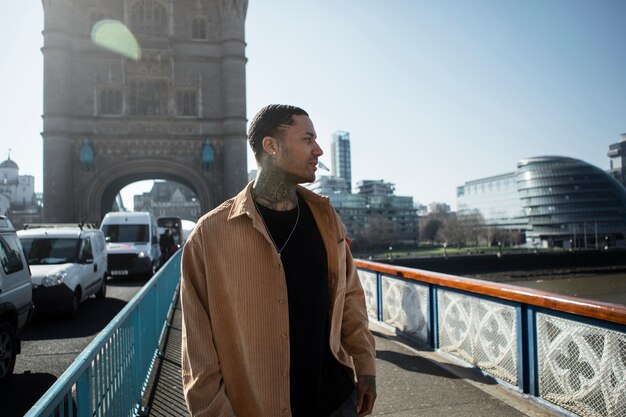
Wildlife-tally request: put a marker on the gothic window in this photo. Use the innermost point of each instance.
(148, 17)
(186, 103)
(147, 98)
(110, 102)
(198, 29)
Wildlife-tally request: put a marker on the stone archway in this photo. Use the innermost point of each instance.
(109, 119)
(101, 193)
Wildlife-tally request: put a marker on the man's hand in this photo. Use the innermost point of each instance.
(366, 386)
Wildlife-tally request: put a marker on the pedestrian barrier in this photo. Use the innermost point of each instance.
(109, 377)
(564, 352)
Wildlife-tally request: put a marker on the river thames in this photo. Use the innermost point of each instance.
(610, 288)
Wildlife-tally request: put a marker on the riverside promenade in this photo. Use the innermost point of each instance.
(412, 381)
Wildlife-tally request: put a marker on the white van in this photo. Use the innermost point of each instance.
(132, 240)
(16, 305)
(68, 264)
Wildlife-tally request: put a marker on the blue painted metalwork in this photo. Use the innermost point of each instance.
(583, 390)
(433, 308)
(109, 377)
(379, 298)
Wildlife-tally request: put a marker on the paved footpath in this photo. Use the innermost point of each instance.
(411, 382)
(417, 382)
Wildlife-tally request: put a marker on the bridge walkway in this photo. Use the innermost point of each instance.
(412, 381)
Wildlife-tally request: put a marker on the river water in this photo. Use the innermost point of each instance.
(603, 287)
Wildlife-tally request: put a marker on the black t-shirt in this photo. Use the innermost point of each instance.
(319, 384)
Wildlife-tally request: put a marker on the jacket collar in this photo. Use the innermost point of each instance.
(244, 205)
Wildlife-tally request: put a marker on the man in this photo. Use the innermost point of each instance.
(274, 319)
(166, 243)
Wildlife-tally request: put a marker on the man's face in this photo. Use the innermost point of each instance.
(298, 150)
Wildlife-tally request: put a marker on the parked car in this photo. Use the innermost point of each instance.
(16, 304)
(132, 240)
(68, 264)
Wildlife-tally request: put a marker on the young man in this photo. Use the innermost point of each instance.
(274, 319)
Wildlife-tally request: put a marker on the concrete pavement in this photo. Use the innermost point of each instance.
(411, 382)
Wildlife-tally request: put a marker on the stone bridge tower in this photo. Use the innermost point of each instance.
(173, 108)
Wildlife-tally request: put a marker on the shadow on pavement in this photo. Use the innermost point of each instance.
(416, 363)
(22, 391)
(413, 363)
(93, 316)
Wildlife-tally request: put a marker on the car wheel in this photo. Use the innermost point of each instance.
(73, 307)
(8, 351)
(102, 292)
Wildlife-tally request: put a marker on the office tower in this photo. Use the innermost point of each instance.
(340, 154)
(617, 155)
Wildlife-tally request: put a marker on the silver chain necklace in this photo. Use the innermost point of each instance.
(270, 234)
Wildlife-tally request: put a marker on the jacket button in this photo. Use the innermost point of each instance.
(284, 336)
(281, 301)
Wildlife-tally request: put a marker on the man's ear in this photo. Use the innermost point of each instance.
(270, 145)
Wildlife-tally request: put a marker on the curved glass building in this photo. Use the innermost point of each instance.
(570, 202)
(555, 200)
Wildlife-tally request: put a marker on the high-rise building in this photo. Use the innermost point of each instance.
(340, 154)
(617, 155)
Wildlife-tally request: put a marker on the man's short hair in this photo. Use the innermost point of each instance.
(267, 123)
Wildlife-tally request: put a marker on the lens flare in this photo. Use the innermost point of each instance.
(116, 37)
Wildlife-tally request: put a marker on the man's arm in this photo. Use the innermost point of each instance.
(357, 339)
(202, 377)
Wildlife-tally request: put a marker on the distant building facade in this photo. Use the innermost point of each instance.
(18, 199)
(496, 198)
(341, 158)
(374, 214)
(617, 161)
(169, 199)
(554, 200)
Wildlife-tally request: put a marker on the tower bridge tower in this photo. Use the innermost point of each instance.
(173, 108)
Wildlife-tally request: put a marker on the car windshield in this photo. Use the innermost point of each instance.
(128, 233)
(49, 251)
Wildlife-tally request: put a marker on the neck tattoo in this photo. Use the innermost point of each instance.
(270, 234)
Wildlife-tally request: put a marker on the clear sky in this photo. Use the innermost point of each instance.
(433, 93)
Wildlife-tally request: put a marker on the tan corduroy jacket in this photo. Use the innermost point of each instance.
(235, 349)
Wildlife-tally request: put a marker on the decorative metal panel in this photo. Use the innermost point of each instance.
(480, 332)
(582, 368)
(368, 282)
(405, 307)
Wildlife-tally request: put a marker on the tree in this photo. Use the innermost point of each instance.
(474, 224)
(429, 228)
(378, 232)
(454, 232)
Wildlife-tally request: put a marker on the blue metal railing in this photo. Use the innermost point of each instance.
(109, 377)
(565, 353)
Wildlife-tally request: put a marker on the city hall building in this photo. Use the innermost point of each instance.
(554, 200)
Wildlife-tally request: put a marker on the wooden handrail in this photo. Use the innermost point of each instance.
(615, 313)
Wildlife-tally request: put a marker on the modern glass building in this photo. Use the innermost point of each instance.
(496, 198)
(341, 158)
(570, 201)
(374, 210)
(555, 200)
